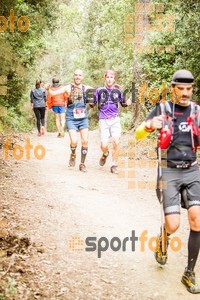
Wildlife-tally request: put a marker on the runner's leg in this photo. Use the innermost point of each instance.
(62, 120)
(84, 133)
(188, 278)
(115, 151)
(104, 147)
(62, 124)
(172, 223)
(37, 114)
(115, 130)
(171, 205)
(73, 144)
(194, 237)
(58, 123)
(42, 115)
(104, 135)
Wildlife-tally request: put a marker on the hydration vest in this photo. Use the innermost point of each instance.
(166, 133)
(104, 95)
(77, 95)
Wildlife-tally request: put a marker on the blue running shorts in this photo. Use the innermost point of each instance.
(59, 109)
(77, 124)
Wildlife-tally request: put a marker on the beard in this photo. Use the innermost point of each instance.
(184, 101)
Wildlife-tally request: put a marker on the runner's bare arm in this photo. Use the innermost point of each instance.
(141, 132)
(144, 129)
(64, 89)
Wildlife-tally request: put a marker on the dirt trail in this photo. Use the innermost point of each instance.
(53, 205)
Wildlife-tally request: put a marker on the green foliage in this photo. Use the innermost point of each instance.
(2, 296)
(15, 121)
(159, 67)
(18, 52)
(90, 35)
(51, 121)
(104, 39)
(126, 119)
(8, 288)
(63, 50)
(93, 118)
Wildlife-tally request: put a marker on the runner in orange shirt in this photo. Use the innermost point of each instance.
(58, 105)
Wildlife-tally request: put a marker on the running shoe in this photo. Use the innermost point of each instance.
(114, 170)
(161, 251)
(42, 130)
(82, 167)
(103, 158)
(188, 279)
(72, 160)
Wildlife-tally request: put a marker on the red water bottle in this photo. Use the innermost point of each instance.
(165, 136)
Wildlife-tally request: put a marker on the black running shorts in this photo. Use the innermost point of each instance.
(173, 180)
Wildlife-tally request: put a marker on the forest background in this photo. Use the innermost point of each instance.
(145, 42)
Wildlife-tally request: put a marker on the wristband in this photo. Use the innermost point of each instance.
(140, 132)
(148, 127)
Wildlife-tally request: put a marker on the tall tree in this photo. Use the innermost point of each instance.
(19, 48)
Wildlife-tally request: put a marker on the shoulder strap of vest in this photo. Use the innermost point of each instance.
(195, 114)
(82, 89)
(195, 108)
(165, 108)
(73, 87)
(103, 95)
(84, 94)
